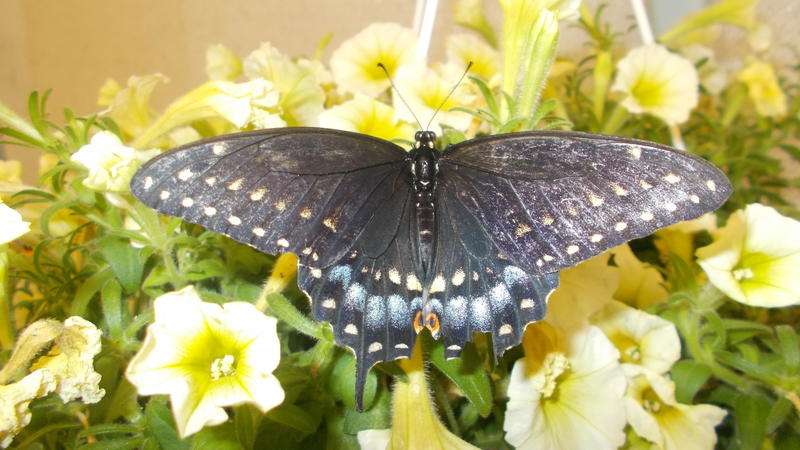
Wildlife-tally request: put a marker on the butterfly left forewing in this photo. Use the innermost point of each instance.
(554, 199)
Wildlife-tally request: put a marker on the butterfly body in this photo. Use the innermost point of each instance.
(469, 239)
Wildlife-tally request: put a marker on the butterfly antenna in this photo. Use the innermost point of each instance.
(449, 94)
(389, 77)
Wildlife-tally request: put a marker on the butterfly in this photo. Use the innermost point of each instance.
(391, 242)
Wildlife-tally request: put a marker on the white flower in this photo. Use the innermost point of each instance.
(641, 338)
(13, 225)
(14, 401)
(713, 76)
(374, 439)
(656, 81)
(71, 361)
(207, 357)
(222, 63)
(425, 91)
(355, 63)
(111, 164)
(655, 415)
(366, 115)
(301, 96)
(465, 48)
(567, 393)
(640, 284)
(130, 106)
(755, 258)
(678, 240)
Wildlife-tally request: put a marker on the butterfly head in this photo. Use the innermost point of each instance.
(424, 139)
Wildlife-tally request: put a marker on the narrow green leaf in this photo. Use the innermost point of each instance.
(780, 409)
(487, 95)
(789, 347)
(87, 290)
(342, 382)
(111, 301)
(282, 308)
(376, 418)
(295, 417)
(124, 260)
(467, 372)
(221, 437)
(161, 425)
(689, 376)
(751, 411)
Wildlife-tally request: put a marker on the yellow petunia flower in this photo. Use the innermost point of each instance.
(111, 164)
(222, 63)
(566, 392)
(207, 357)
(465, 48)
(764, 90)
(425, 90)
(641, 338)
(755, 258)
(14, 401)
(355, 63)
(366, 115)
(641, 284)
(655, 415)
(656, 81)
(734, 12)
(130, 106)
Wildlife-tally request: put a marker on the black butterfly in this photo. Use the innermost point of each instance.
(467, 239)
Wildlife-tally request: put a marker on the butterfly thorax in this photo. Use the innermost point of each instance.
(424, 169)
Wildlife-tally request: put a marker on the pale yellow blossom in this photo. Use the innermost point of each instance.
(366, 115)
(641, 284)
(656, 81)
(425, 90)
(110, 163)
(465, 48)
(13, 225)
(14, 401)
(354, 63)
(734, 12)
(301, 95)
(130, 106)
(566, 392)
(678, 240)
(207, 357)
(655, 415)
(765, 92)
(641, 338)
(755, 258)
(222, 63)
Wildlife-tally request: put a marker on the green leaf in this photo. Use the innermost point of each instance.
(87, 290)
(124, 260)
(467, 372)
(751, 411)
(111, 301)
(789, 347)
(305, 420)
(689, 376)
(335, 437)
(222, 437)
(487, 95)
(342, 382)
(282, 308)
(161, 425)
(376, 418)
(246, 421)
(780, 409)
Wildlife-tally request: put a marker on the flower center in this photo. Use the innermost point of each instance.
(744, 273)
(628, 347)
(222, 367)
(651, 402)
(555, 365)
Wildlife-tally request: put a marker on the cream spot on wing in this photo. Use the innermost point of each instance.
(595, 199)
(646, 216)
(258, 194)
(315, 256)
(438, 284)
(236, 184)
(671, 178)
(412, 283)
(526, 303)
(505, 329)
(187, 202)
(218, 148)
(375, 347)
(645, 185)
(571, 210)
(209, 210)
(522, 229)
(711, 185)
(164, 195)
(401, 346)
(377, 275)
(458, 277)
(307, 251)
(185, 174)
(305, 213)
(671, 207)
(394, 276)
(280, 205)
(454, 347)
(330, 223)
(539, 262)
(547, 258)
(316, 273)
(351, 329)
(619, 190)
(260, 232)
(572, 249)
(620, 226)
(547, 220)
(475, 276)
(282, 242)
(148, 182)
(233, 220)
(211, 181)
(329, 303)
(635, 151)
(596, 238)
(694, 198)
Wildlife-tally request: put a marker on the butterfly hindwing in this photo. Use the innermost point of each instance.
(554, 199)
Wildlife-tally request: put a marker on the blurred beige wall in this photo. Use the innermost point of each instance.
(72, 46)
